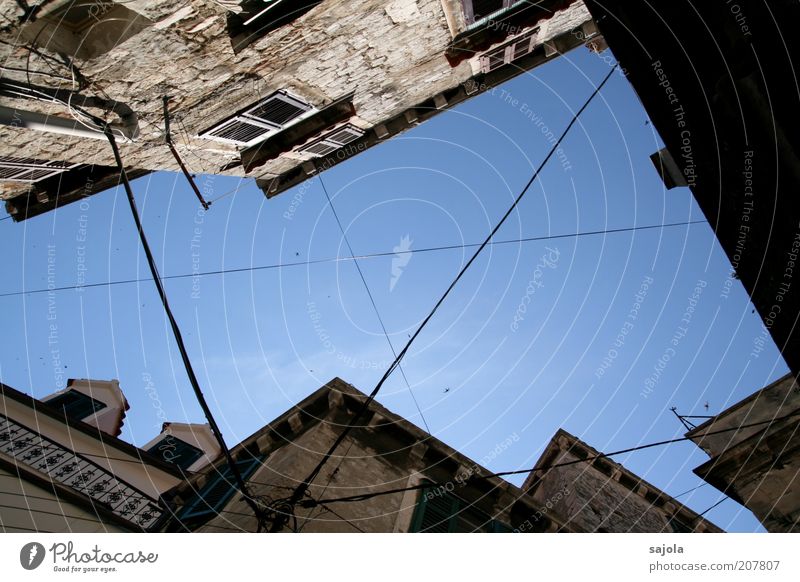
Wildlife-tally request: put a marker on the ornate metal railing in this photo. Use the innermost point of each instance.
(71, 469)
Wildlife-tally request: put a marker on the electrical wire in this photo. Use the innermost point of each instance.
(689, 490)
(303, 487)
(344, 259)
(372, 300)
(176, 155)
(590, 458)
(239, 480)
(713, 506)
(310, 503)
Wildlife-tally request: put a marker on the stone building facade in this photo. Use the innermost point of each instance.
(63, 468)
(255, 90)
(607, 496)
(756, 459)
(389, 453)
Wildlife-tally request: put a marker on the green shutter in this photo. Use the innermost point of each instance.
(176, 452)
(437, 515)
(76, 404)
(215, 495)
(439, 511)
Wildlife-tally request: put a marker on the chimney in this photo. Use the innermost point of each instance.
(99, 403)
(189, 446)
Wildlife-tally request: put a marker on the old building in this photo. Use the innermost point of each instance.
(269, 90)
(607, 496)
(440, 489)
(755, 453)
(64, 469)
(713, 79)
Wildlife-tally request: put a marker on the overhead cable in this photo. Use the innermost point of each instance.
(303, 487)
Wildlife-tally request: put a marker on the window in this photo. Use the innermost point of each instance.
(176, 452)
(439, 511)
(477, 10)
(257, 122)
(332, 140)
(257, 18)
(29, 169)
(510, 51)
(218, 490)
(679, 526)
(76, 405)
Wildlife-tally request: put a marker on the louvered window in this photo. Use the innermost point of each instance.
(332, 140)
(220, 488)
(477, 10)
(439, 511)
(76, 405)
(510, 51)
(256, 123)
(176, 452)
(29, 169)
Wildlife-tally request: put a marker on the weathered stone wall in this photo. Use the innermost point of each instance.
(390, 52)
(596, 502)
(582, 489)
(781, 398)
(362, 469)
(387, 452)
(759, 465)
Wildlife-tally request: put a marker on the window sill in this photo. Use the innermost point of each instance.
(499, 26)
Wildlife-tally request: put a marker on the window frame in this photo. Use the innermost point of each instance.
(199, 509)
(469, 10)
(490, 61)
(330, 140)
(248, 117)
(457, 508)
(158, 450)
(245, 28)
(83, 400)
(31, 170)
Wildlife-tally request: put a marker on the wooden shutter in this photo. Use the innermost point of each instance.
(509, 52)
(278, 109)
(76, 404)
(29, 169)
(239, 131)
(176, 452)
(439, 511)
(218, 491)
(256, 123)
(332, 140)
(477, 10)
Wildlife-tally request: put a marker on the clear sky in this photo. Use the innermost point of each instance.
(517, 350)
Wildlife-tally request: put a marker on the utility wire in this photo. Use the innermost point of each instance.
(301, 490)
(177, 333)
(344, 259)
(173, 323)
(365, 496)
(713, 506)
(372, 300)
(690, 490)
(177, 156)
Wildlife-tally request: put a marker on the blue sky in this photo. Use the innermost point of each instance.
(518, 348)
